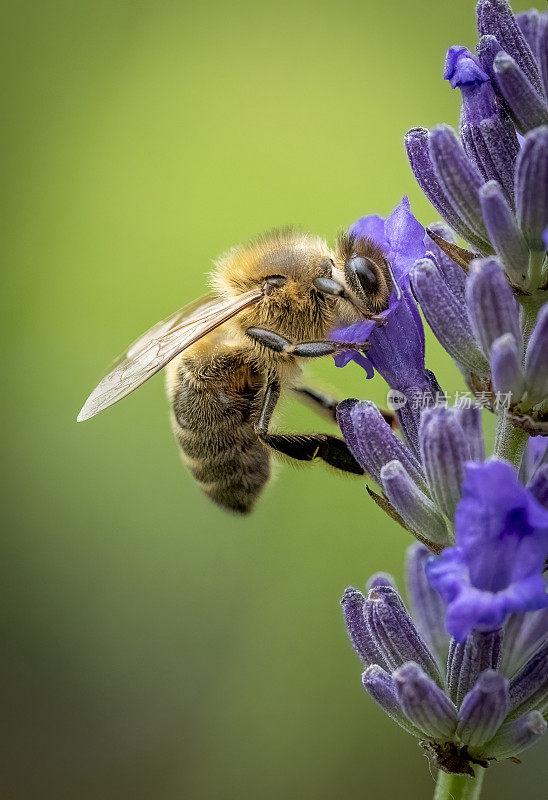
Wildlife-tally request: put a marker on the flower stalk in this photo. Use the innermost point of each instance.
(459, 787)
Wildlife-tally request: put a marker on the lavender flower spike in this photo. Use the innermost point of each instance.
(536, 360)
(506, 367)
(504, 232)
(532, 188)
(424, 703)
(516, 736)
(495, 515)
(491, 304)
(371, 441)
(447, 317)
(444, 452)
(415, 508)
(483, 709)
(528, 108)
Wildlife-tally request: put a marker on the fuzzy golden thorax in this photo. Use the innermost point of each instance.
(295, 309)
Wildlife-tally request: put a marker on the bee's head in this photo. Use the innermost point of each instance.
(289, 268)
(365, 270)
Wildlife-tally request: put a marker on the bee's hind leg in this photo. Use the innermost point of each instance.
(306, 446)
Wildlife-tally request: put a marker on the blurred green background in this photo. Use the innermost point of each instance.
(153, 647)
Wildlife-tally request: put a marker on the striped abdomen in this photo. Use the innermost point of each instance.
(213, 420)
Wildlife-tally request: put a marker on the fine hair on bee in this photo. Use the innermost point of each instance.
(274, 303)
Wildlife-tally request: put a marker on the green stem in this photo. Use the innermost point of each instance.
(459, 787)
(530, 306)
(509, 441)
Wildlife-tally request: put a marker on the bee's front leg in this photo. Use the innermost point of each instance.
(279, 344)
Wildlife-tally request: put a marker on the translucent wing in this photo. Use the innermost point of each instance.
(159, 345)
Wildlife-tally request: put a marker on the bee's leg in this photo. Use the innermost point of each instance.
(327, 406)
(279, 344)
(303, 447)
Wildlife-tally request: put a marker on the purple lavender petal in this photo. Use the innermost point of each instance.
(527, 106)
(424, 703)
(504, 232)
(516, 736)
(543, 51)
(444, 452)
(415, 508)
(394, 632)
(532, 187)
(382, 688)
(506, 368)
(491, 304)
(487, 50)
(447, 317)
(536, 360)
(495, 18)
(427, 606)
(529, 688)
(496, 514)
(418, 152)
(483, 709)
(459, 178)
(371, 441)
(467, 660)
(352, 604)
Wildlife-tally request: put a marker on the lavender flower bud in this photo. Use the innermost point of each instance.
(446, 315)
(470, 422)
(467, 660)
(453, 275)
(529, 22)
(536, 360)
(506, 367)
(495, 18)
(352, 604)
(415, 508)
(532, 187)
(427, 605)
(418, 152)
(458, 176)
(527, 107)
(371, 441)
(538, 486)
(444, 453)
(516, 736)
(491, 304)
(529, 689)
(424, 703)
(380, 579)
(382, 688)
(487, 50)
(394, 633)
(483, 709)
(503, 231)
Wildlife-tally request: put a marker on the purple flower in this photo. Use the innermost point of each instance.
(501, 546)
(397, 347)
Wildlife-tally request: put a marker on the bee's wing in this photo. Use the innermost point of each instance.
(160, 344)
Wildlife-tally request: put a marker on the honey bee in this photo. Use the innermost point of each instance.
(229, 355)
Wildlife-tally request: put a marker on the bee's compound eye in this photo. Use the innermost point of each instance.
(366, 272)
